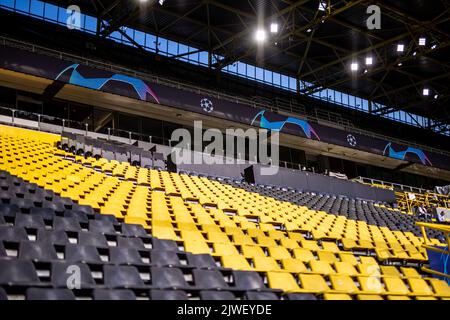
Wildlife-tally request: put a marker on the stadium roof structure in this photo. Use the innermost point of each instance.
(316, 42)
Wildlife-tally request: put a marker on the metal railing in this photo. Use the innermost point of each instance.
(394, 186)
(42, 120)
(320, 115)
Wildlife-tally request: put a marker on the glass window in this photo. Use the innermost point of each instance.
(162, 45)
(268, 76)
(7, 3)
(172, 48)
(204, 57)
(242, 69)
(62, 16)
(259, 74)
(182, 49)
(285, 81)
(90, 24)
(193, 57)
(116, 36)
(232, 68)
(150, 41)
(293, 84)
(22, 5)
(37, 8)
(130, 33)
(251, 71)
(277, 79)
(50, 12)
(139, 37)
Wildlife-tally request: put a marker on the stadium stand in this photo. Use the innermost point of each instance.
(225, 150)
(140, 233)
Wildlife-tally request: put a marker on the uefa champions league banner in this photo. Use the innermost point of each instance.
(84, 76)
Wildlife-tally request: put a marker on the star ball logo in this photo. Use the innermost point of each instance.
(351, 140)
(207, 105)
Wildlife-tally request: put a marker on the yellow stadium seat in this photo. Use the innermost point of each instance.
(252, 251)
(395, 286)
(218, 237)
(369, 269)
(223, 249)
(327, 256)
(330, 246)
(293, 266)
(303, 255)
(349, 258)
(440, 287)
(163, 233)
(237, 262)
(342, 283)
(369, 297)
(279, 253)
(370, 285)
(336, 296)
(196, 247)
(419, 287)
(265, 264)
(398, 298)
(390, 271)
(282, 281)
(410, 272)
(313, 283)
(345, 268)
(321, 267)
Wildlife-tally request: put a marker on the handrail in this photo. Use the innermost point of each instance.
(396, 186)
(346, 124)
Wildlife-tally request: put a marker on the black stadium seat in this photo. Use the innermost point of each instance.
(101, 226)
(134, 230)
(29, 221)
(201, 261)
(216, 295)
(210, 280)
(2, 250)
(248, 281)
(168, 278)
(168, 295)
(160, 258)
(300, 296)
(124, 277)
(92, 239)
(79, 253)
(46, 213)
(61, 275)
(9, 210)
(49, 294)
(54, 237)
(253, 295)
(122, 295)
(13, 234)
(164, 245)
(66, 224)
(136, 243)
(37, 251)
(18, 273)
(3, 295)
(125, 256)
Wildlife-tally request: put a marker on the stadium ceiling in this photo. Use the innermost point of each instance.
(313, 45)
